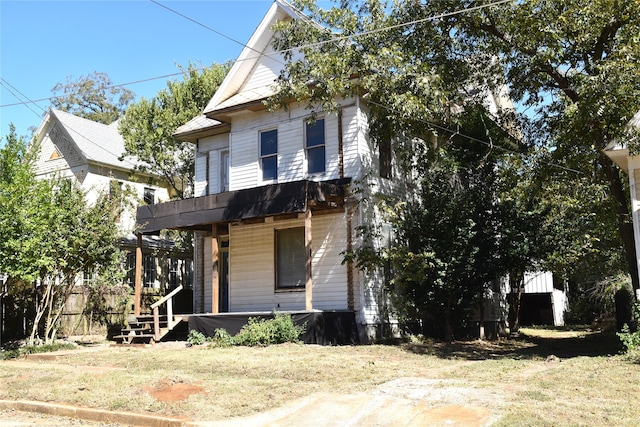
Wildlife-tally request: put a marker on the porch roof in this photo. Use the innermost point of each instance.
(199, 213)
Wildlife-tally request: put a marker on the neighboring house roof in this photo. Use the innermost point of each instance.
(97, 142)
(234, 90)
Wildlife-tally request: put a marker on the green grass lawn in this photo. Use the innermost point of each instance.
(545, 377)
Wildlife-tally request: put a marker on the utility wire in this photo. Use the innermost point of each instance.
(11, 89)
(332, 40)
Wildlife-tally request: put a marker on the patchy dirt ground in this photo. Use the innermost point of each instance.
(170, 391)
(402, 402)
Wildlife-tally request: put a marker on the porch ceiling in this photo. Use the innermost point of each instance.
(199, 213)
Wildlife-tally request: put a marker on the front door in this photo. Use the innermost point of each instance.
(223, 305)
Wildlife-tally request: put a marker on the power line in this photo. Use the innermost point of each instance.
(332, 40)
(9, 87)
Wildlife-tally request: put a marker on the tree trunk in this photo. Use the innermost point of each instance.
(482, 334)
(625, 226)
(448, 328)
(514, 299)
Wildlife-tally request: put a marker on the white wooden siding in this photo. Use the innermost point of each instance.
(55, 138)
(252, 266)
(244, 146)
(266, 70)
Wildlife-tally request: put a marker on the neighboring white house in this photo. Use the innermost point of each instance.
(88, 153)
(277, 200)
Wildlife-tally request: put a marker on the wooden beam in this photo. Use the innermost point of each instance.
(215, 281)
(138, 277)
(307, 244)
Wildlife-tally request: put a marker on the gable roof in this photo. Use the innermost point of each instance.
(96, 142)
(236, 89)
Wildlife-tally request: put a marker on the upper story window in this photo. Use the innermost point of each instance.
(224, 170)
(384, 151)
(269, 154)
(149, 196)
(315, 147)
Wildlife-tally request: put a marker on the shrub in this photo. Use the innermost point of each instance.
(222, 338)
(630, 335)
(196, 337)
(262, 332)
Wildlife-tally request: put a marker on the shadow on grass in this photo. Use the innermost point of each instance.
(524, 346)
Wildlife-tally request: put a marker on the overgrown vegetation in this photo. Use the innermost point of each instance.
(630, 335)
(570, 68)
(257, 332)
(51, 239)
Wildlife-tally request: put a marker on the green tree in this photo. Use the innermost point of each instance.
(149, 124)
(93, 97)
(49, 235)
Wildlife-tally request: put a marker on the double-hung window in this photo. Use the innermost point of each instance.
(290, 259)
(149, 196)
(269, 155)
(315, 147)
(384, 151)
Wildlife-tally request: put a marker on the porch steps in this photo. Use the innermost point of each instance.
(141, 330)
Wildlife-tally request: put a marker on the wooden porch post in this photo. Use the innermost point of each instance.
(138, 277)
(307, 244)
(215, 282)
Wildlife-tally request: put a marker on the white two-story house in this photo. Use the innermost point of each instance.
(275, 206)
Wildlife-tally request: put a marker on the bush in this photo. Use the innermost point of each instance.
(630, 335)
(222, 338)
(196, 337)
(262, 332)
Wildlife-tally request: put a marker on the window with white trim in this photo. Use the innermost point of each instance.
(130, 267)
(269, 155)
(224, 170)
(315, 147)
(290, 259)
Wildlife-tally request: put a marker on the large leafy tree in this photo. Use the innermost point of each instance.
(575, 64)
(93, 97)
(149, 124)
(571, 68)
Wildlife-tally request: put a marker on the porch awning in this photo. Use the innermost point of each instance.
(199, 213)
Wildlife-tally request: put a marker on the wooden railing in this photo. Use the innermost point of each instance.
(156, 312)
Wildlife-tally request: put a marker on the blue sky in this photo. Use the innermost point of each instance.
(44, 42)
